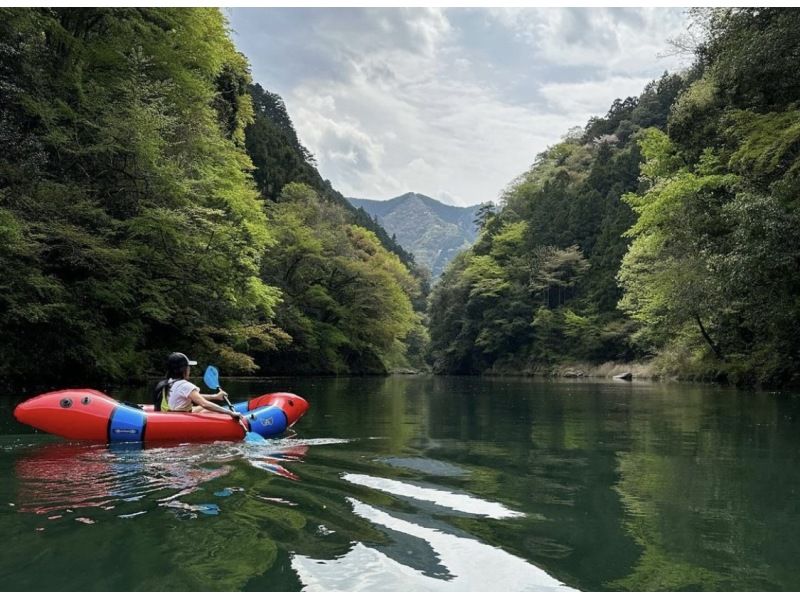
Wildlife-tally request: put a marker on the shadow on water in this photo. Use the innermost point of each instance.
(424, 484)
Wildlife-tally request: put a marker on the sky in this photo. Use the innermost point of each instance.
(453, 103)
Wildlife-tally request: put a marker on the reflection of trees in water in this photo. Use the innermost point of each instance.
(652, 488)
(213, 554)
(653, 492)
(546, 455)
(472, 441)
(538, 454)
(710, 497)
(149, 531)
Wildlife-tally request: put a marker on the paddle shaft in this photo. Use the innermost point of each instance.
(239, 419)
(211, 378)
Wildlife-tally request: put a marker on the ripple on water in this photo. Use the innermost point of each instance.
(427, 466)
(68, 477)
(469, 564)
(77, 483)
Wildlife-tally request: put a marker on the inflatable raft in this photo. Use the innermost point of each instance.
(86, 414)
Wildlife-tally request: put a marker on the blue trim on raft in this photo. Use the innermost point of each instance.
(268, 421)
(126, 424)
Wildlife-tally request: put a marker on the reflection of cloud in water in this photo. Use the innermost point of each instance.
(472, 566)
(426, 465)
(455, 501)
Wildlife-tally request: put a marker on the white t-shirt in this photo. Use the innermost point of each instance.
(179, 395)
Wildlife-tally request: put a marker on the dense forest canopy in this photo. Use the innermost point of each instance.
(347, 301)
(135, 209)
(666, 229)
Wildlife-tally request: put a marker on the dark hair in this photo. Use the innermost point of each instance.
(177, 364)
(176, 371)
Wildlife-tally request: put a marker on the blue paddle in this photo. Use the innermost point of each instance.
(211, 379)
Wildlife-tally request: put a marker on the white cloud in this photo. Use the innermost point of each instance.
(451, 103)
(579, 100)
(608, 39)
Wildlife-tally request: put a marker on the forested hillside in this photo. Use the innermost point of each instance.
(132, 225)
(432, 231)
(666, 230)
(154, 198)
(339, 298)
(347, 301)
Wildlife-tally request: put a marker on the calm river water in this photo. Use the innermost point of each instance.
(424, 484)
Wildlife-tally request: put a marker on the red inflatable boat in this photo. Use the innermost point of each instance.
(86, 414)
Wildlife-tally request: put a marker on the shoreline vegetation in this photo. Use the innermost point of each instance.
(158, 199)
(620, 371)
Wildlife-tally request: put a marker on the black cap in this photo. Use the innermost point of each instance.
(178, 361)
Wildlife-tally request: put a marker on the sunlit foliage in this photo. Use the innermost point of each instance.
(666, 229)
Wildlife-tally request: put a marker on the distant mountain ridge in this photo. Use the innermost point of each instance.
(432, 231)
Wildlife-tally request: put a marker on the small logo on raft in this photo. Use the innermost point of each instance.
(124, 431)
(266, 422)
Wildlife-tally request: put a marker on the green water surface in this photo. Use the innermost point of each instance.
(423, 484)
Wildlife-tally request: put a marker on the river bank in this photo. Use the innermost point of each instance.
(654, 370)
(608, 369)
(658, 369)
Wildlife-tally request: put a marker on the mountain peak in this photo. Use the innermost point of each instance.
(430, 229)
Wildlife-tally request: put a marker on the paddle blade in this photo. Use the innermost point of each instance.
(254, 438)
(211, 377)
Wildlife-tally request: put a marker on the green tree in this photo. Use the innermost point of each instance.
(134, 218)
(347, 300)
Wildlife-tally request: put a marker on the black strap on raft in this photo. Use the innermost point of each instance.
(161, 393)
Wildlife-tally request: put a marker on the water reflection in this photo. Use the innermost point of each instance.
(67, 477)
(427, 466)
(461, 564)
(418, 550)
(445, 498)
(429, 484)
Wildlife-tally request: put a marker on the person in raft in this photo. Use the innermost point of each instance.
(176, 393)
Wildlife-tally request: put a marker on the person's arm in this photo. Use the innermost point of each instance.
(215, 397)
(205, 403)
